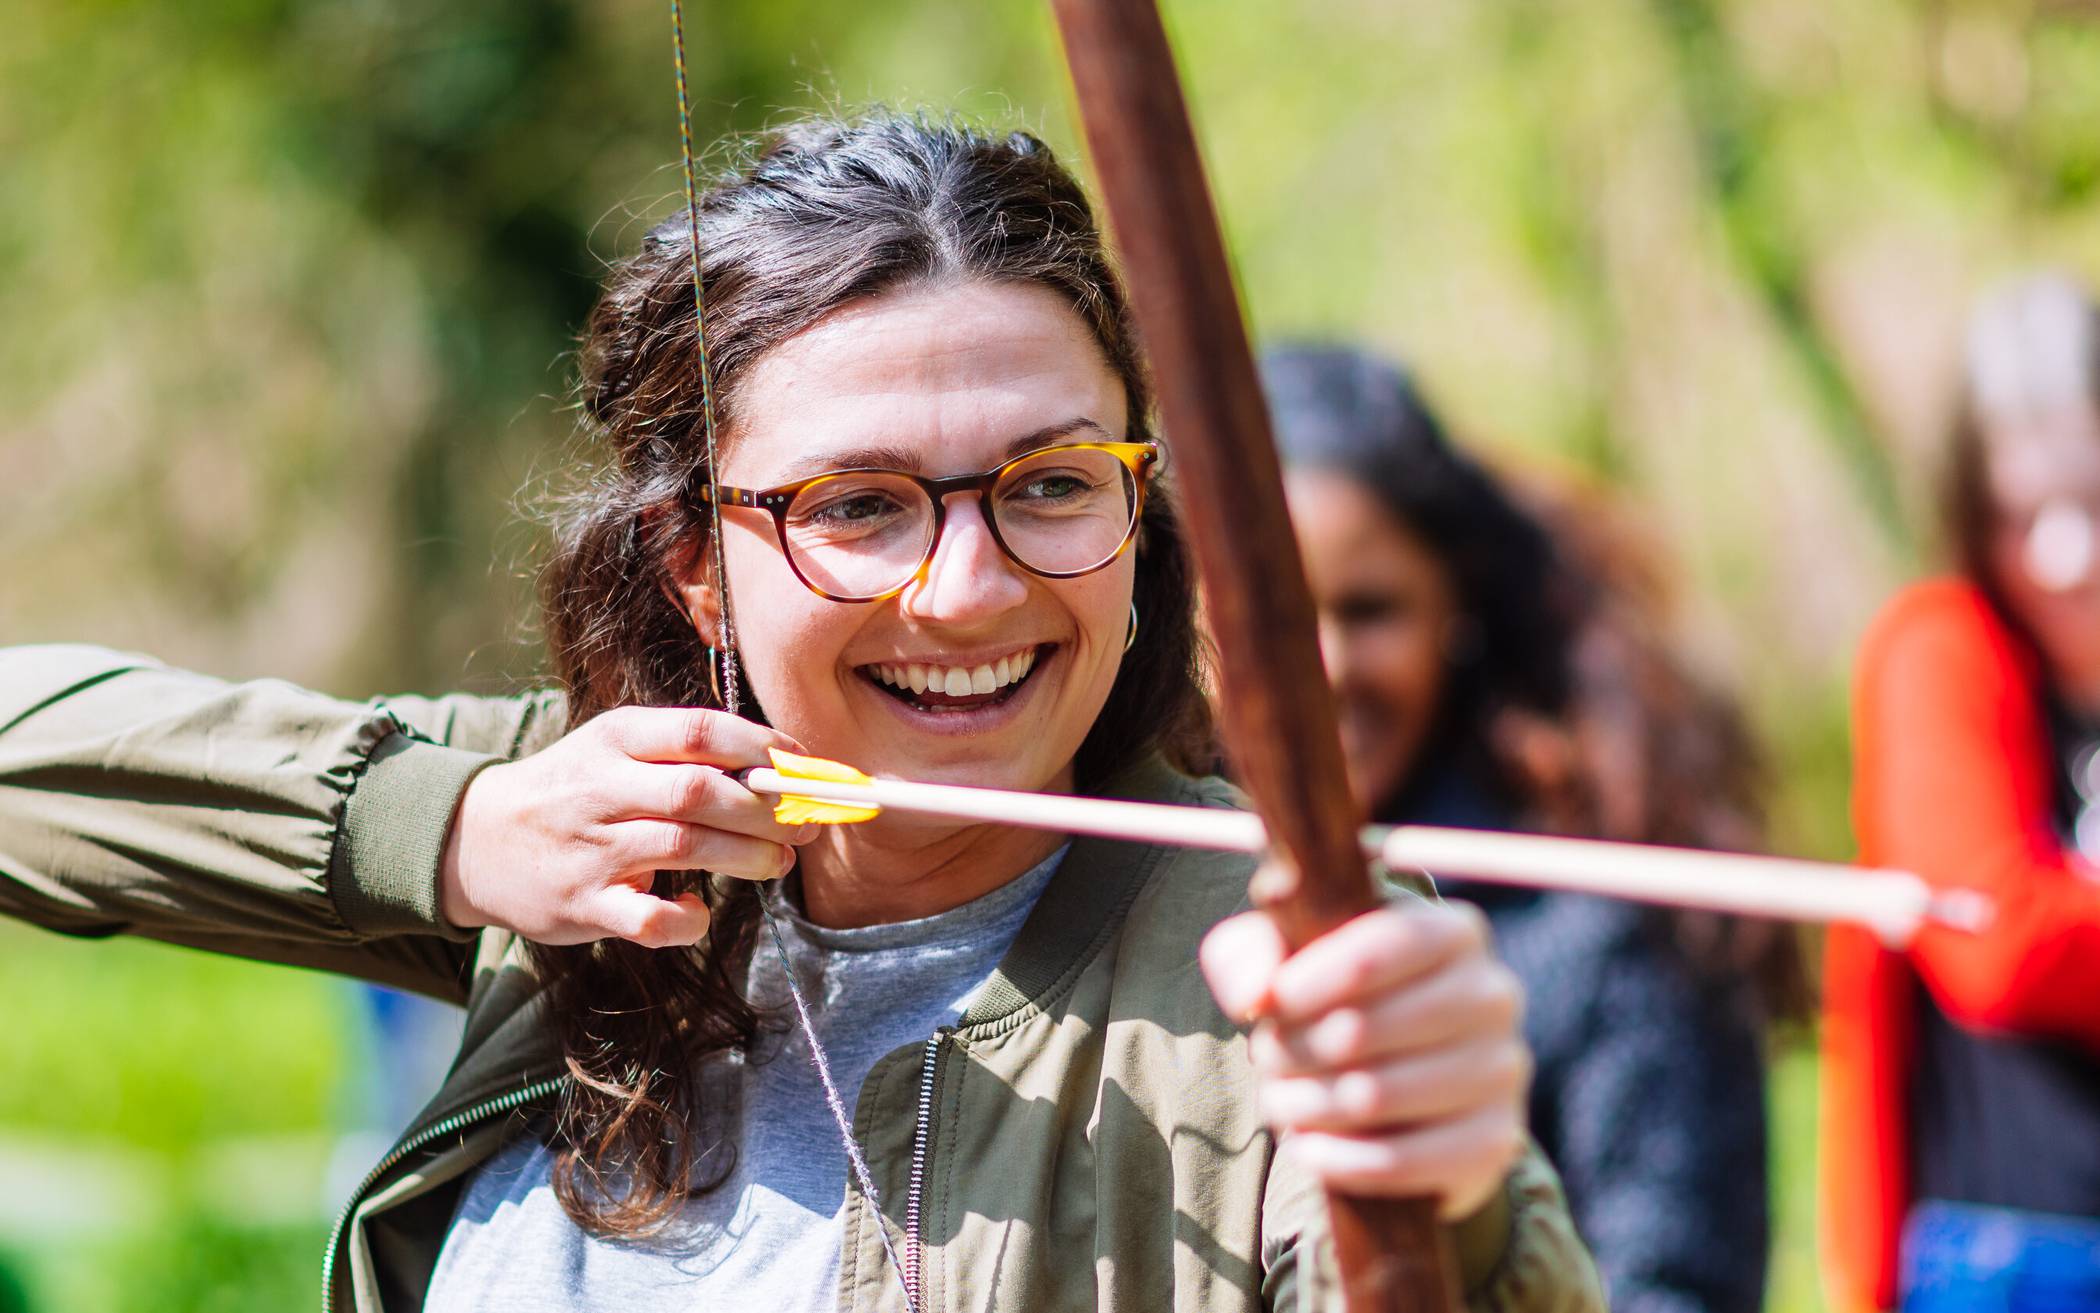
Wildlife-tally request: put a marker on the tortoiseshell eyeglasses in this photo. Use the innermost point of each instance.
(863, 535)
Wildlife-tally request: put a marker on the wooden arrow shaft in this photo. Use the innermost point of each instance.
(1893, 904)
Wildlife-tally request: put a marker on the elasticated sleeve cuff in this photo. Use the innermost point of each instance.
(384, 872)
(1481, 1240)
(1520, 1254)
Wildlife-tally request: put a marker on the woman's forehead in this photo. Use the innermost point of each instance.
(941, 379)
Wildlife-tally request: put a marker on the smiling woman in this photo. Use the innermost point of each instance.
(946, 553)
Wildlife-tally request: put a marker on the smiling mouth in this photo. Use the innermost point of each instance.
(936, 688)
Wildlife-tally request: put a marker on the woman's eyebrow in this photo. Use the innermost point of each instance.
(891, 457)
(1049, 433)
(879, 457)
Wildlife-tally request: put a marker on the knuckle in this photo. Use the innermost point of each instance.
(692, 789)
(665, 844)
(1501, 996)
(1470, 927)
(1508, 1066)
(1341, 1035)
(612, 726)
(697, 732)
(1358, 1094)
(1358, 973)
(625, 923)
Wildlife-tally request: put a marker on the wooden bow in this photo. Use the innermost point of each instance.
(1274, 709)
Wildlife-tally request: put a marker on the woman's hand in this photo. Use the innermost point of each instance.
(1386, 1052)
(563, 846)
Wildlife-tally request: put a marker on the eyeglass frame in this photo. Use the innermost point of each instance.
(1139, 458)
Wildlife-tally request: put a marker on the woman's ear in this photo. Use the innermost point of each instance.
(685, 587)
(702, 605)
(696, 597)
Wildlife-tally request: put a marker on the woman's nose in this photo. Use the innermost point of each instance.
(1334, 649)
(2060, 548)
(969, 577)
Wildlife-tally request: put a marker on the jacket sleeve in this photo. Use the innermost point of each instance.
(1518, 1254)
(1954, 782)
(255, 819)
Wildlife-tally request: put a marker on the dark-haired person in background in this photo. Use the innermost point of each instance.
(1483, 679)
(1961, 1100)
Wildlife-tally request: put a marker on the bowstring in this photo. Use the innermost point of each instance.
(730, 691)
(822, 1063)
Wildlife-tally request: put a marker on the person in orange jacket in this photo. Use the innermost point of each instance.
(1961, 1078)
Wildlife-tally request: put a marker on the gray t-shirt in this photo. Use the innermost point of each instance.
(769, 1236)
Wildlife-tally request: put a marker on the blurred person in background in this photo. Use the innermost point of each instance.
(1484, 678)
(1961, 1100)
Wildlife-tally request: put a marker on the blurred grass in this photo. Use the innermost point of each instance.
(1793, 1283)
(144, 1046)
(286, 289)
(129, 1072)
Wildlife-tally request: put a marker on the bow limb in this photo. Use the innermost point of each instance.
(1274, 708)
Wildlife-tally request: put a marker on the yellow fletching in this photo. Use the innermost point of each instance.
(792, 809)
(797, 767)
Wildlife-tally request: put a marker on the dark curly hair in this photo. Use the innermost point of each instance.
(819, 214)
(1563, 700)
(1356, 415)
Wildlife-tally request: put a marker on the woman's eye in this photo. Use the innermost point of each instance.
(851, 509)
(1058, 486)
(1372, 610)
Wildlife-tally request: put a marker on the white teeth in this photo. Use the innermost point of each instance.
(957, 681)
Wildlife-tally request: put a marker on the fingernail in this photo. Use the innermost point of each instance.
(1261, 1008)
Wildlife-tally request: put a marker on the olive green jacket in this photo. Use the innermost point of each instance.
(1089, 1134)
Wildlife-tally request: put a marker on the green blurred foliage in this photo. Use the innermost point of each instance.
(287, 287)
(190, 1261)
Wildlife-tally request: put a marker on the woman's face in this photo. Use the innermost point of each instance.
(2045, 550)
(939, 381)
(1386, 608)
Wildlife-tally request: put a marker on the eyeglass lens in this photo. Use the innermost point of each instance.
(862, 534)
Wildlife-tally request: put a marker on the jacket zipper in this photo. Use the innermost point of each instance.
(438, 1130)
(921, 1135)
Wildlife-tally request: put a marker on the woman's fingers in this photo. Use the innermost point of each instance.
(690, 734)
(1463, 1162)
(1239, 958)
(1446, 1006)
(625, 912)
(1376, 953)
(660, 845)
(1387, 1053)
(700, 795)
(1445, 1082)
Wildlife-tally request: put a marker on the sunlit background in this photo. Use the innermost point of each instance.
(287, 287)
